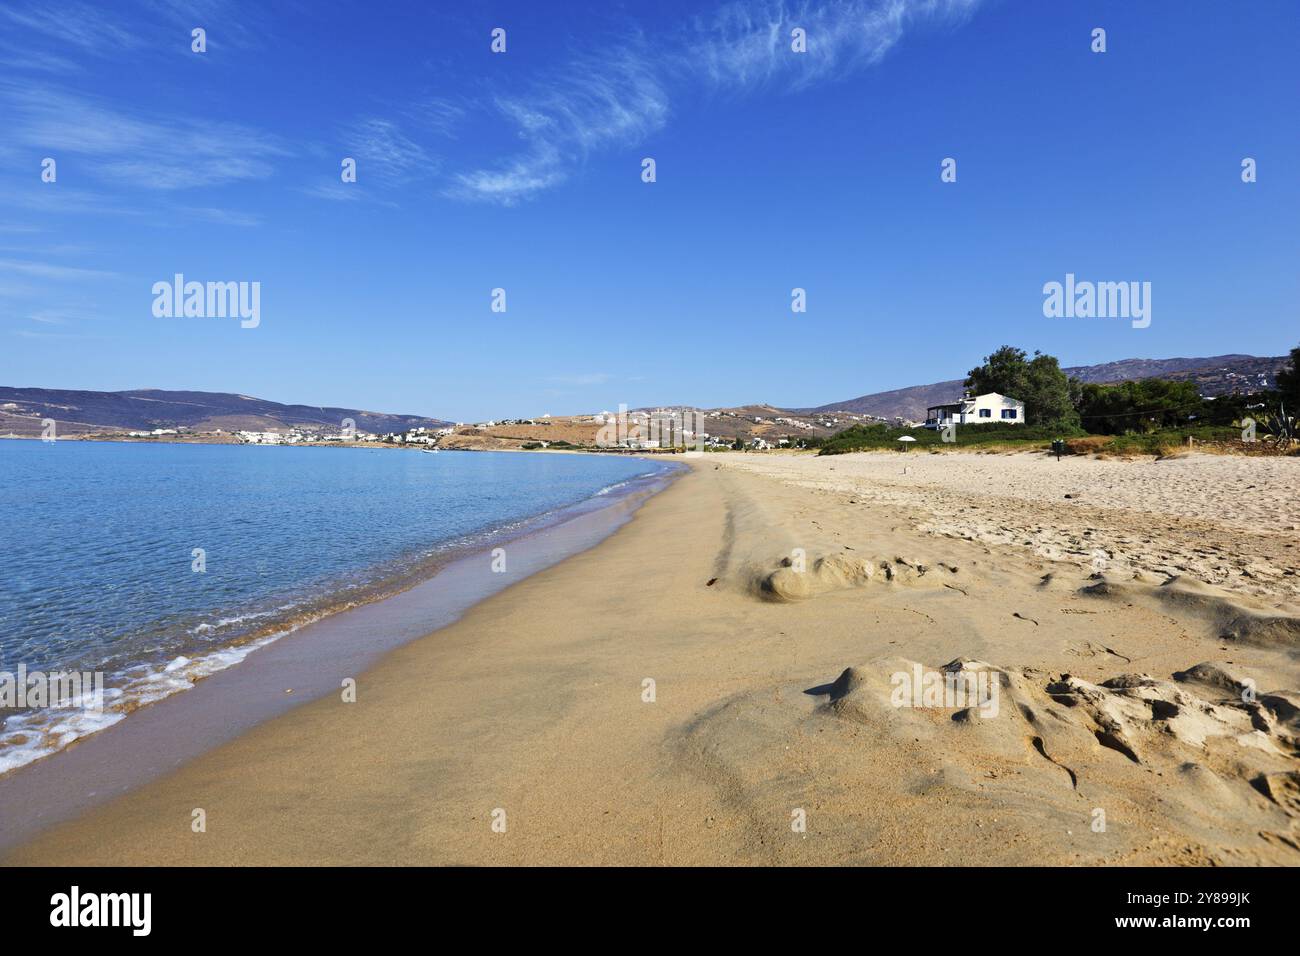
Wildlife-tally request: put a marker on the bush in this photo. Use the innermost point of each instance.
(868, 437)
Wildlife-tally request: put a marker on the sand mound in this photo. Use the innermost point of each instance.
(1223, 615)
(1136, 715)
(797, 578)
(1213, 675)
(1282, 788)
(1236, 617)
(793, 581)
(1205, 732)
(1136, 768)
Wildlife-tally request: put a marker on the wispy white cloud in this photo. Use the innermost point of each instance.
(618, 98)
(382, 149)
(86, 27)
(437, 114)
(519, 179)
(31, 334)
(387, 151)
(614, 93)
(37, 37)
(159, 152)
(54, 199)
(227, 22)
(600, 100)
(60, 316)
(748, 45)
(64, 322)
(45, 270)
(157, 27)
(15, 57)
(52, 249)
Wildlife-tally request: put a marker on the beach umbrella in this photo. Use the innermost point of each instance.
(906, 438)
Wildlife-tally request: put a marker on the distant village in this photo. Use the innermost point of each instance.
(302, 436)
(660, 429)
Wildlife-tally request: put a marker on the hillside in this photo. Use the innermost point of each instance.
(82, 412)
(1215, 375)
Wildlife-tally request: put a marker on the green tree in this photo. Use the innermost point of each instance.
(1288, 383)
(1005, 372)
(1141, 406)
(1038, 382)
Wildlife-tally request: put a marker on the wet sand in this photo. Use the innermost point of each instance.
(771, 600)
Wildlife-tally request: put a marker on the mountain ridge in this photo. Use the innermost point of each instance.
(1215, 375)
(78, 411)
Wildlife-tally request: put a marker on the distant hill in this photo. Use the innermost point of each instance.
(1216, 375)
(83, 412)
(1237, 369)
(80, 412)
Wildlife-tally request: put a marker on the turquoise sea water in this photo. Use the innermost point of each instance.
(98, 550)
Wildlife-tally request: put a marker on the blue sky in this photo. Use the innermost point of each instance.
(522, 171)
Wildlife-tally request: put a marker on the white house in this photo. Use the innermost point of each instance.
(977, 410)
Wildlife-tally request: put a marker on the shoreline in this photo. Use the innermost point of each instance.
(116, 751)
(769, 694)
(245, 627)
(648, 453)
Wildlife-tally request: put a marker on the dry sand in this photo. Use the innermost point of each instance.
(1223, 519)
(1165, 707)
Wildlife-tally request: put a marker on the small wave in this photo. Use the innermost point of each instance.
(27, 736)
(39, 733)
(239, 619)
(634, 480)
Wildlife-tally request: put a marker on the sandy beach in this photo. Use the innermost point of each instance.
(715, 684)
